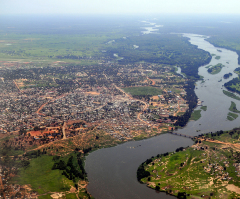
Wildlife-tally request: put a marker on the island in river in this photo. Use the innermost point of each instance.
(210, 168)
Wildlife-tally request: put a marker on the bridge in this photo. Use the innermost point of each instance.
(182, 135)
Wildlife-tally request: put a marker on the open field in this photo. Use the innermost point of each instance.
(53, 46)
(48, 175)
(143, 91)
(42, 179)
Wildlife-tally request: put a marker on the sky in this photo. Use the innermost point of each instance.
(119, 6)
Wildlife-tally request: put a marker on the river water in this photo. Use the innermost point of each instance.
(112, 171)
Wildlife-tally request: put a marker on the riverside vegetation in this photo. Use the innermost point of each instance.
(51, 64)
(46, 163)
(210, 168)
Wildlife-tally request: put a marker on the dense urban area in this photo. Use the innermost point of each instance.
(67, 91)
(43, 106)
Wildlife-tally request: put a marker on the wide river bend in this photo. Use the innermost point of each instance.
(112, 171)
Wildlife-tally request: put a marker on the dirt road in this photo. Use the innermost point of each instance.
(220, 142)
(63, 130)
(17, 86)
(153, 82)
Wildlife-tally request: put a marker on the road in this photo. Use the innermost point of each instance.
(130, 97)
(153, 82)
(220, 142)
(63, 130)
(17, 86)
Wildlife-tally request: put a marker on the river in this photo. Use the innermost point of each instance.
(112, 171)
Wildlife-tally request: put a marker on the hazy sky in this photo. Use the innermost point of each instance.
(118, 6)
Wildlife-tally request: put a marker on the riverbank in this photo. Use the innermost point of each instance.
(118, 165)
(209, 168)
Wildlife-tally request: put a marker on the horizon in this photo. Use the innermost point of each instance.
(119, 7)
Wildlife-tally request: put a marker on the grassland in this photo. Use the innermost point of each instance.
(215, 69)
(46, 175)
(47, 48)
(232, 95)
(203, 170)
(138, 91)
(195, 115)
(42, 178)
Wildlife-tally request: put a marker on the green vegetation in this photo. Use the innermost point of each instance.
(161, 49)
(180, 113)
(217, 57)
(237, 70)
(226, 76)
(195, 115)
(42, 178)
(231, 136)
(208, 66)
(233, 107)
(47, 174)
(48, 196)
(232, 116)
(215, 69)
(234, 84)
(54, 46)
(205, 169)
(227, 40)
(232, 95)
(204, 108)
(138, 91)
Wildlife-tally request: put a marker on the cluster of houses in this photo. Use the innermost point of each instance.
(8, 190)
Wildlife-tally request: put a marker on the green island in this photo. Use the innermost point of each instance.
(204, 108)
(195, 115)
(215, 69)
(233, 107)
(232, 116)
(226, 76)
(217, 57)
(232, 95)
(234, 84)
(237, 70)
(208, 169)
